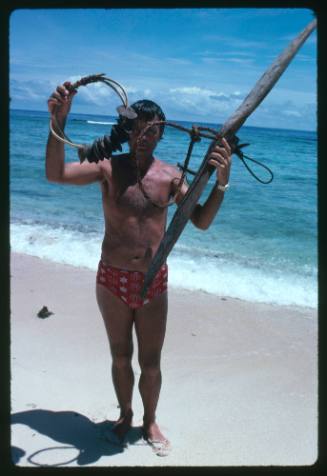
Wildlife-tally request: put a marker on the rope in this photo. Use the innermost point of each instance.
(123, 110)
(196, 132)
(242, 156)
(195, 136)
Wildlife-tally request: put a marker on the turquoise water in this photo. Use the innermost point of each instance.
(261, 247)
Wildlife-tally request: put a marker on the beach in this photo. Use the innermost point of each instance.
(239, 378)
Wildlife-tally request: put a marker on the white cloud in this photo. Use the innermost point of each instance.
(178, 61)
(192, 90)
(288, 112)
(235, 42)
(240, 60)
(200, 103)
(188, 102)
(198, 94)
(211, 60)
(130, 89)
(30, 90)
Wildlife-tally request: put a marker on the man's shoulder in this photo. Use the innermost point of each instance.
(168, 169)
(105, 167)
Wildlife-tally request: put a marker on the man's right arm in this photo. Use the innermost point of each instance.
(57, 170)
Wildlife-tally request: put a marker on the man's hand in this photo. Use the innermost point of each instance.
(59, 103)
(221, 158)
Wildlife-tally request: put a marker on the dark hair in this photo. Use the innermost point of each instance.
(147, 110)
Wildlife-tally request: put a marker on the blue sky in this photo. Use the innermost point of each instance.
(198, 63)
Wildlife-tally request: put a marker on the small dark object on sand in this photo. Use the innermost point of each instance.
(44, 312)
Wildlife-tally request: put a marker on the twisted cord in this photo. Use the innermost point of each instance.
(196, 132)
(93, 78)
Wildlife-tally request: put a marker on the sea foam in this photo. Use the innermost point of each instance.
(201, 273)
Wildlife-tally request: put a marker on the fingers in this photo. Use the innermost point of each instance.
(221, 156)
(61, 96)
(222, 166)
(68, 86)
(227, 146)
(219, 163)
(225, 150)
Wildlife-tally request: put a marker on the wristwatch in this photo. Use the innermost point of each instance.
(222, 188)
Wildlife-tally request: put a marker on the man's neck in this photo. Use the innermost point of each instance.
(144, 163)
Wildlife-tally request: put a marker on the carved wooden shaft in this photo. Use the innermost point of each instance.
(230, 127)
(266, 82)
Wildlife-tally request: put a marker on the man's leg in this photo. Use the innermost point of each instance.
(150, 326)
(118, 319)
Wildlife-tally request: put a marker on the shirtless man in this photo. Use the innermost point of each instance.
(134, 228)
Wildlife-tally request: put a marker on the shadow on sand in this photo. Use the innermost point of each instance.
(74, 431)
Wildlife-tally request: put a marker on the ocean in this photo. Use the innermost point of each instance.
(261, 247)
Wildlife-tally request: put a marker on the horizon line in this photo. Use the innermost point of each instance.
(176, 120)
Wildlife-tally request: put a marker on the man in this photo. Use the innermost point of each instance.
(135, 188)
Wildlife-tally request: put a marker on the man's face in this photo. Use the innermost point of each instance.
(147, 142)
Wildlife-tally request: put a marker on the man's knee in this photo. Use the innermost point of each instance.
(121, 355)
(150, 364)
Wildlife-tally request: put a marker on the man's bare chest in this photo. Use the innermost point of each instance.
(130, 195)
(143, 194)
(133, 200)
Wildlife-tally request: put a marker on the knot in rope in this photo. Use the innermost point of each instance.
(195, 134)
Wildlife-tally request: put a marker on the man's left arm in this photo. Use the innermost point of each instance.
(203, 215)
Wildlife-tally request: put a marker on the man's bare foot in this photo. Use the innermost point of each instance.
(160, 444)
(117, 433)
(122, 426)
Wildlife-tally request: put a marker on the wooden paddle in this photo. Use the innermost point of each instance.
(229, 128)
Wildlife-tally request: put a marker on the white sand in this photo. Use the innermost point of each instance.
(239, 379)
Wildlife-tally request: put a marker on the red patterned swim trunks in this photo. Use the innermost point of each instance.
(127, 285)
